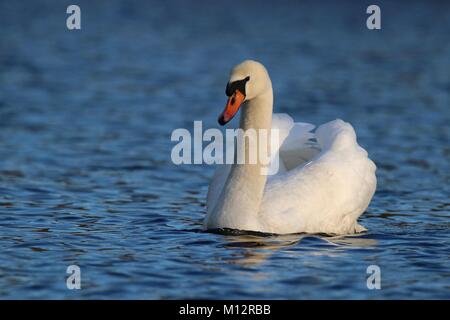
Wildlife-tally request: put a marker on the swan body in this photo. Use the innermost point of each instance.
(325, 180)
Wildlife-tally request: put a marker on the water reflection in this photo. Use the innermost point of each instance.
(255, 250)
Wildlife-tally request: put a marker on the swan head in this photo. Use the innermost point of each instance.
(248, 80)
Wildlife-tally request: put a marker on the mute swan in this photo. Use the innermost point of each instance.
(325, 181)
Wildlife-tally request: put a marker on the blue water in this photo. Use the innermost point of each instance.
(85, 124)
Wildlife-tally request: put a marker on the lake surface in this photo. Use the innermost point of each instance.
(85, 171)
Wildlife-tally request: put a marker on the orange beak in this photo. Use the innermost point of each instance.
(233, 104)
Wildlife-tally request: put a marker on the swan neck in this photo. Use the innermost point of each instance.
(240, 201)
(257, 113)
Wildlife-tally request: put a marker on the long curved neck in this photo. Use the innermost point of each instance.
(257, 113)
(239, 203)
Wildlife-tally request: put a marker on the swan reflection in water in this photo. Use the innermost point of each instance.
(255, 248)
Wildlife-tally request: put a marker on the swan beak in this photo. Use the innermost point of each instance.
(233, 104)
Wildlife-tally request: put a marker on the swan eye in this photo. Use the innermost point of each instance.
(228, 90)
(236, 85)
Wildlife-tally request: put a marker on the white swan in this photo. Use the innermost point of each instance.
(323, 186)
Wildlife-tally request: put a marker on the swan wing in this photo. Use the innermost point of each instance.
(296, 144)
(328, 193)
